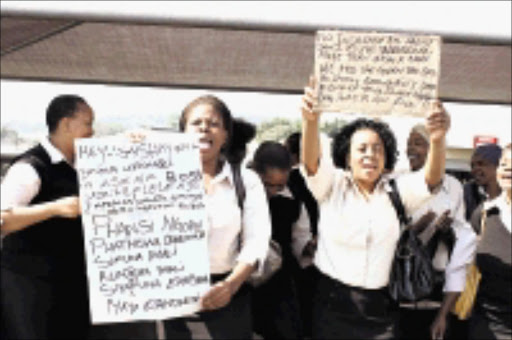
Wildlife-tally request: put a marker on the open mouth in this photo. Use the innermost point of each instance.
(205, 143)
(369, 167)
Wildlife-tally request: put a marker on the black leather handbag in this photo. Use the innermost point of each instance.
(412, 275)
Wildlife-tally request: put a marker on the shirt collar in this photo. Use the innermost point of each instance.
(225, 174)
(55, 154)
(497, 202)
(381, 182)
(285, 193)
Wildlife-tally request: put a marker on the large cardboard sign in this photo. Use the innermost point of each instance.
(376, 73)
(144, 226)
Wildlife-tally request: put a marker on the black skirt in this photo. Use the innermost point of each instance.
(344, 312)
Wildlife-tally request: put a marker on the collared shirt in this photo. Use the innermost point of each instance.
(225, 221)
(449, 196)
(22, 183)
(301, 231)
(358, 235)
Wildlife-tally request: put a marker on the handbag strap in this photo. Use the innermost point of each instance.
(483, 222)
(394, 196)
(239, 184)
(240, 194)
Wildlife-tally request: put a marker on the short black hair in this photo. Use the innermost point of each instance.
(342, 139)
(271, 154)
(292, 143)
(62, 106)
(219, 106)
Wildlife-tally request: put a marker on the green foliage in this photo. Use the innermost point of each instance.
(102, 129)
(278, 129)
(332, 127)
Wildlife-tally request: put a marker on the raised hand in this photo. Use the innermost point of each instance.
(309, 99)
(437, 121)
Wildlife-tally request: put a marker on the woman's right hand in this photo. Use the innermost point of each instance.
(136, 135)
(68, 207)
(309, 100)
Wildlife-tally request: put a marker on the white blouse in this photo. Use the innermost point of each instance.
(225, 221)
(21, 182)
(357, 236)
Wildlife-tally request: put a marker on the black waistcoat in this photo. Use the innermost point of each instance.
(284, 213)
(53, 247)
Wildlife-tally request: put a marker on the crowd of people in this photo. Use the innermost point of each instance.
(330, 214)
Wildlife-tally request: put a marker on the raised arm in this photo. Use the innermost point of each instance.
(437, 124)
(310, 150)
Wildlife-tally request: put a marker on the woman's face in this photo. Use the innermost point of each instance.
(274, 180)
(367, 157)
(80, 123)
(208, 123)
(504, 171)
(417, 150)
(482, 170)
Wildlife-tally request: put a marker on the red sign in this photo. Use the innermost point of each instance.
(479, 140)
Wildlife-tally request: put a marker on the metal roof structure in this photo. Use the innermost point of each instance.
(186, 53)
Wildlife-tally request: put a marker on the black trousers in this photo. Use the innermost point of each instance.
(42, 307)
(482, 326)
(230, 322)
(416, 323)
(344, 312)
(306, 283)
(275, 308)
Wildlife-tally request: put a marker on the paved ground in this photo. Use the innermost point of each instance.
(198, 330)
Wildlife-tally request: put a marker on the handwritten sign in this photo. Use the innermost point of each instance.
(376, 73)
(144, 226)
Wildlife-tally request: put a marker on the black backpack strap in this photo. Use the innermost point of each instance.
(239, 184)
(394, 196)
(240, 193)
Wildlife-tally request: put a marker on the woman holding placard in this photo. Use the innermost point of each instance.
(238, 237)
(43, 274)
(359, 228)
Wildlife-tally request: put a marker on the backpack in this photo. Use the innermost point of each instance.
(412, 276)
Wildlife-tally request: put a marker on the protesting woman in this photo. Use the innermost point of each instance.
(238, 238)
(492, 312)
(359, 228)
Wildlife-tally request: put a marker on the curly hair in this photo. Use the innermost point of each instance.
(342, 139)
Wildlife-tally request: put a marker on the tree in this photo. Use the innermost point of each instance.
(332, 127)
(277, 129)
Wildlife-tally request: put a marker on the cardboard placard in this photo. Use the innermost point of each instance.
(376, 73)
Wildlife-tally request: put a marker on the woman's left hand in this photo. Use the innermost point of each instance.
(218, 296)
(437, 122)
(438, 328)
